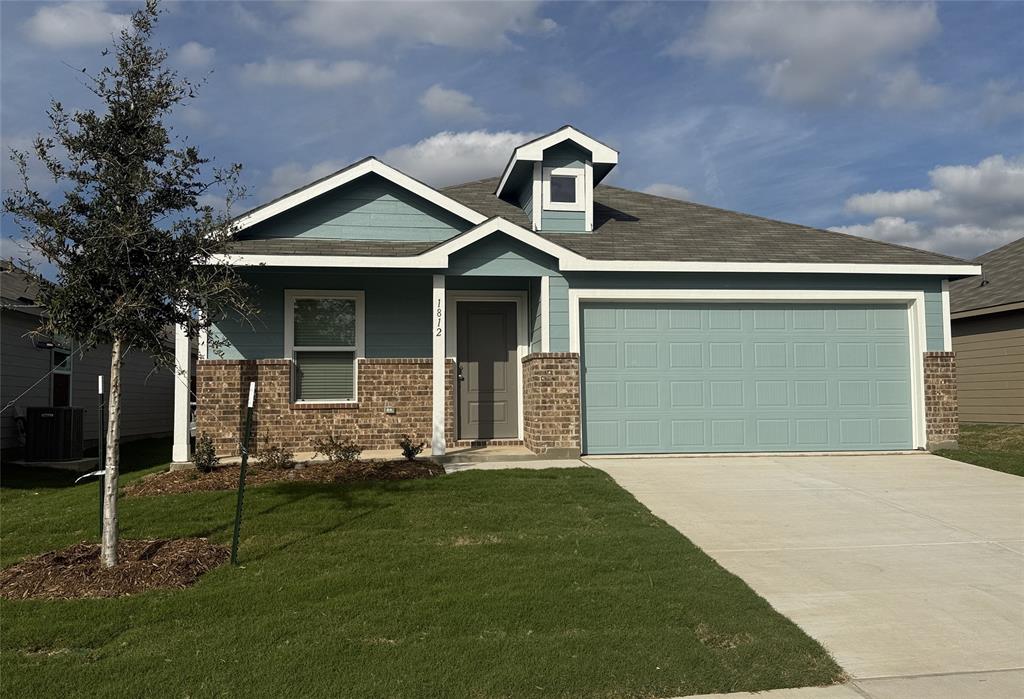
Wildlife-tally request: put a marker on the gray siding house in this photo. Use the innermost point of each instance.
(541, 307)
(41, 371)
(988, 337)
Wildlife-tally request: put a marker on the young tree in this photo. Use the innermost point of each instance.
(130, 235)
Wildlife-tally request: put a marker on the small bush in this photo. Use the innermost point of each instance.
(410, 449)
(338, 450)
(205, 457)
(275, 457)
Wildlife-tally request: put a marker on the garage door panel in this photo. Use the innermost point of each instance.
(685, 377)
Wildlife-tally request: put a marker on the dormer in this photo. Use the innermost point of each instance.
(552, 178)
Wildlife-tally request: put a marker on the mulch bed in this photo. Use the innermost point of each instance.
(226, 477)
(145, 564)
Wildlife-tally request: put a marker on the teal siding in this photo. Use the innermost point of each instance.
(566, 154)
(371, 208)
(501, 255)
(397, 312)
(535, 316)
(685, 377)
(931, 286)
(563, 221)
(558, 315)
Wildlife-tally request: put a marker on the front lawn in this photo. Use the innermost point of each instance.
(998, 447)
(480, 584)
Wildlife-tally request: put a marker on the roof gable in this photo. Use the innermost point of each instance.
(349, 174)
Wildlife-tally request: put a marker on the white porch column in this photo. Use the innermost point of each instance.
(545, 314)
(437, 332)
(182, 382)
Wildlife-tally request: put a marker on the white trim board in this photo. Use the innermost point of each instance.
(290, 295)
(914, 301)
(453, 298)
(349, 174)
(947, 327)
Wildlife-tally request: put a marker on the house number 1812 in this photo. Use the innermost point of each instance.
(440, 317)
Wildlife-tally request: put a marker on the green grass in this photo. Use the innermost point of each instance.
(998, 447)
(481, 584)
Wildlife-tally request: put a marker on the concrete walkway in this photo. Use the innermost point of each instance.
(908, 568)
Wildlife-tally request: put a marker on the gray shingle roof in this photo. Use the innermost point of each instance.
(19, 289)
(1001, 281)
(632, 225)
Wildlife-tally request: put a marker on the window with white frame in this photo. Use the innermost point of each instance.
(60, 378)
(563, 189)
(324, 338)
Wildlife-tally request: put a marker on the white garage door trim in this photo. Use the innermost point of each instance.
(913, 299)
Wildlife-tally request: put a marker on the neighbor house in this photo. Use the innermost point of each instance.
(42, 371)
(988, 337)
(543, 308)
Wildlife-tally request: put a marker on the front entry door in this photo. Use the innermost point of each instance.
(487, 369)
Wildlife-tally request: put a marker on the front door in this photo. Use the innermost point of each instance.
(487, 370)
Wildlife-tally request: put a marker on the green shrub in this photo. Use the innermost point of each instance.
(275, 457)
(410, 449)
(205, 457)
(338, 450)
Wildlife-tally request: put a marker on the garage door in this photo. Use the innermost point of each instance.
(667, 378)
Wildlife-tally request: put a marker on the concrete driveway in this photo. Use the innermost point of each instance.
(906, 566)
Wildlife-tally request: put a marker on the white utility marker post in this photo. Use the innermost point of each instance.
(182, 383)
(437, 334)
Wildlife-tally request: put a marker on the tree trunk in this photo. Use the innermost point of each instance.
(108, 551)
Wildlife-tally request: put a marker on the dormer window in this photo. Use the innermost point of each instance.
(563, 189)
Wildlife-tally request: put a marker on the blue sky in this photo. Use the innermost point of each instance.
(903, 122)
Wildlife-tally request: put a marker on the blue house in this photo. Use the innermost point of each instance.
(544, 308)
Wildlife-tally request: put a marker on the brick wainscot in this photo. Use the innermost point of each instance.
(941, 406)
(222, 387)
(551, 403)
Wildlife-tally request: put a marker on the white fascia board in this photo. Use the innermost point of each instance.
(534, 151)
(366, 167)
(423, 261)
(568, 261)
(766, 267)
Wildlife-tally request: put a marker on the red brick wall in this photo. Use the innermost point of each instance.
(941, 408)
(404, 384)
(551, 402)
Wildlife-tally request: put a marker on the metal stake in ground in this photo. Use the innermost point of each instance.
(99, 445)
(241, 473)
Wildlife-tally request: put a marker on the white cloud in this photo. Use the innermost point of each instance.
(75, 24)
(478, 25)
(444, 103)
(1003, 100)
(968, 210)
(311, 73)
(906, 89)
(440, 160)
(455, 157)
(290, 176)
(195, 55)
(830, 52)
(672, 191)
(909, 202)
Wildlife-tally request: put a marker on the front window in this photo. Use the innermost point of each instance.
(325, 341)
(60, 381)
(563, 189)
